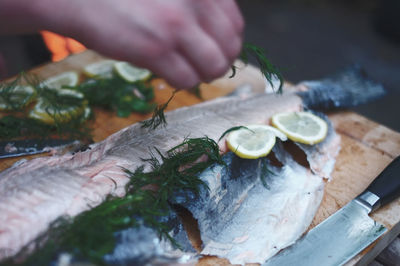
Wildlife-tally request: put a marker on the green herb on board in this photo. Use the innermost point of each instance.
(117, 94)
(46, 114)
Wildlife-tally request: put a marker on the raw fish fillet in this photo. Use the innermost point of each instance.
(35, 193)
(244, 221)
(248, 222)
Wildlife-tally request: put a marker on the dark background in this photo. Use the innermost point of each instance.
(307, 39)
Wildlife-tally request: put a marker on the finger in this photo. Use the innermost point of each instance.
(203, 53)
(232, 10)
(219, 26)
(175, 70)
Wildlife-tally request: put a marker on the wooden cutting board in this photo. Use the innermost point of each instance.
(366, 147)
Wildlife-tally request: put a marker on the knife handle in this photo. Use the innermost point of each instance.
(386, 186)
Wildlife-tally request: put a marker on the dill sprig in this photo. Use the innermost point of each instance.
(158, 117)
(114, 93)
(269, 71)
(91, 235)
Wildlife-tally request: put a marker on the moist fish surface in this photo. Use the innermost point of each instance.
(245, 222)
(254, 209)
(35, 193)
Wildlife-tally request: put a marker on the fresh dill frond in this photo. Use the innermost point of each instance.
(233, 129)
(269, 71)
(158, 117)
(92, 234)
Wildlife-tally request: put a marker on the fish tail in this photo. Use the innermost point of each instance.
(347, 88)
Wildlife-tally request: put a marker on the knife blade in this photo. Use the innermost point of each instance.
(348, 231)
(31, 146)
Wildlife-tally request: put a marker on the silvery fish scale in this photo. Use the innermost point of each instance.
(334, 241)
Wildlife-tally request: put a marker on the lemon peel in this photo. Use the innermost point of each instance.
(302, 127)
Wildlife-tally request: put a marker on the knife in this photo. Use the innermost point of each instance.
(348, 231)
(29, 147)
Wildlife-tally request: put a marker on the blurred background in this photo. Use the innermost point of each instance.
(307, 39)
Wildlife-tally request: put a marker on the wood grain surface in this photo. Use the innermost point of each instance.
(366, 147)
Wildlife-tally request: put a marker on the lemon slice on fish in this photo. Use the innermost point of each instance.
(103, 69)
(131, 73)
(69, 78)
(303, 127)
(60, 106)
(17, 97)
(253, 141)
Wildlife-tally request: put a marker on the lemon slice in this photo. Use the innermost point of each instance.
(70, 78)
(61, 106)
(254, 142)
(16, 98)
(303, 127)
(131, 73)
(103, 69)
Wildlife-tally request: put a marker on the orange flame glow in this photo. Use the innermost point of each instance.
(60, 46)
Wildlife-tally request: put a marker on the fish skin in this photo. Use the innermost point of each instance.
(349, 87)
(142, 246)
(95, 167)
(243, 221)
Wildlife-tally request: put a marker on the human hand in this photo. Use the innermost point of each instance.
(182, 41)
